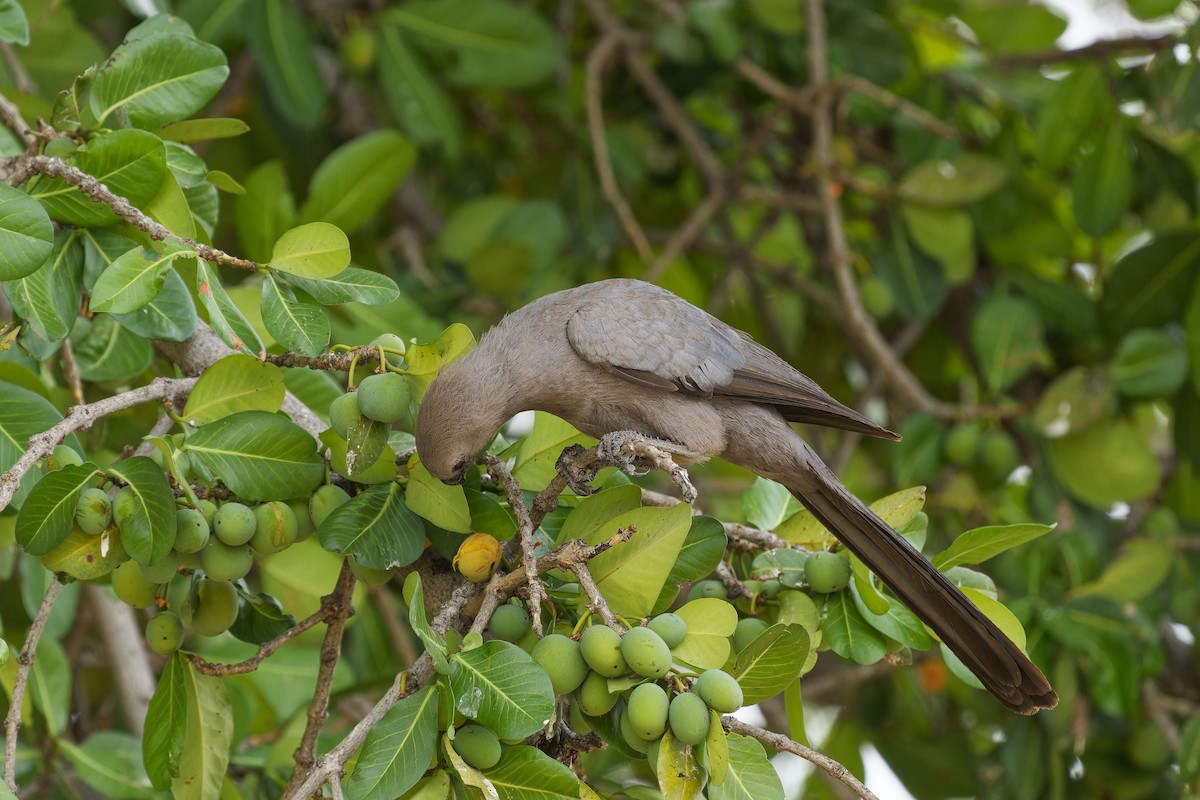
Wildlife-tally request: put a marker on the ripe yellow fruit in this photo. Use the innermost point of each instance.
(478, 557)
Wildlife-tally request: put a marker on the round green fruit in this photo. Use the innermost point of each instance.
(1000, 454)
(275, 527)
(1147, 747)
(630, 735)
(477, 745)
(877, 297)
(191, 530)
(646, 653)
(689, 718)
(208, 509)
(343, 413)
(163, 570)
(164, 633)
(647, 711)
(324, 501)
(234, 524)
(601, 649)
(747, 631)
(560, 657)
(62, 456)
(962, 444)
(304, 523)
(222, 562)
(93, 511)
(131, 586)
(709, 588)
(719, 691)
(670, 627)
(827, 572)
(124, 506)
(383, 398)
(216, 607)
(391, 341)
(358, 51)
(594, 697)
(509, 623)
(771, 588)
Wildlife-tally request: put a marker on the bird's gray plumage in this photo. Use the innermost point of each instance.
(623, 355)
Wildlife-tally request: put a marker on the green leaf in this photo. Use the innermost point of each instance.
(376, 528)
(1000, 615)
(537, 454)
(785, 17)
(955, 181)
(48, 514)
(716, 750)
(398, 749)
(765, 503)
(223, 314)
(848, 634)
(1149, 363)
(946, 234)
(751, 776)
(300, 327)
(136, 278)
(771, 662)
(14, 27)
(48, 299)
(235, 383)
(149, 533)
(472, 225)
(897, 622)
(85, 557)
(260, 618)
(367, 450)
(353, 284)
(132, 163)
(1006, 335)
(701, 552)
(1012, 28)
(1131, 471)
(265, 211)
(1150, 286)
(1070, 112)
(1075, 400)
(1189, 750)
(487, 514)
(316, 250)
(710, 623)
(202, 130)
(166, 720)
(50, 684)
(110, 763)
(259, 456)
(501, 687)
(26, 236)
(632, 575)
(434, 644)
(443, 505)
(1139, 569)
(417, 103)
(207, 737)
(526, 773)
(422, 361)
(979, 544)
(1103, 184)
(284, 52)
(679, 776)
(22, 414)
(105, 351)
(916, 280)
(498, 44)
(170, 315)
(353, 183)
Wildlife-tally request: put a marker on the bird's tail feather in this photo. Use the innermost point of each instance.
(999, 664)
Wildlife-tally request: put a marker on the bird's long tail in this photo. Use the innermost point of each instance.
(999, 664)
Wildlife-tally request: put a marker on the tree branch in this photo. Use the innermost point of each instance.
(12, 722)
(782, 743)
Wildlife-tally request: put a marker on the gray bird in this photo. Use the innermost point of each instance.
(623, 355)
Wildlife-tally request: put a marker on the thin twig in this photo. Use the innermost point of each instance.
(11, 117)
(71, 371)
(537, 592)
(12, 722)
(80, 417)
(1101, 49)
(782, 743)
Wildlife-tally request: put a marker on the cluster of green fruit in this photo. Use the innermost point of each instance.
(380, 397)
(605, 669)
(824, 572)
(966, 445)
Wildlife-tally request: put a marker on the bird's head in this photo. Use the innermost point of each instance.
(460, 415)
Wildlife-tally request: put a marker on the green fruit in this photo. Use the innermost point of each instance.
(560, 657)
(630, 735)
(747, 631)
(323, 502)
(275, 527)
(392, 342)
(771, 588)
(93, 511)
(962, 444)
(1147, 747)
(594, 698)
(164, 633)
(189, 560)
(528, 641)
(509, 623)
(646, 653)
(358, 51)
(131, 586)
(575, 717)
(670, 627)
(191, 531)
(827, 572)
(647, 711)
(125, 506)
(234, 524)
(224, 563)
(601, 649)
(216, 607)
(62, 456)
(877, 297)
(719, 690)
(343, 413)
(709, 588)
(368, 575)
(5, 652)
(477, 745)
(383, 398)
(1000, 454)
(163, 570)
(689, 718)
(207, 508)
(304, 523)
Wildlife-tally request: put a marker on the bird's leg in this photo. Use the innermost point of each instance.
(630, 451)
(578, 476)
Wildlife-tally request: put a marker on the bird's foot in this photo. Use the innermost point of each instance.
(579, 476)
(635, 453)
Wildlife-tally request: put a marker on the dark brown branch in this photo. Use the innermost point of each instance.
(1101, 49)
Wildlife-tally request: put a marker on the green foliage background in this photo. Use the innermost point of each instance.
(1020, 292)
